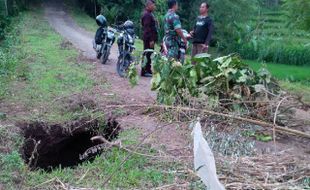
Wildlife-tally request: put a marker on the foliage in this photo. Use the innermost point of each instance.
(276, 51)
(284, 72)
(4, 22)
(133, 75)
(269, 39)
(7, 69)
(223, 78)
(227, 14)
(299, 13)
(11, 9)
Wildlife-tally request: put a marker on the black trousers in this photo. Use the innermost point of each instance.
(148, 67)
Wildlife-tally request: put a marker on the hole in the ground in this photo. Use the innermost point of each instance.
(49, 146)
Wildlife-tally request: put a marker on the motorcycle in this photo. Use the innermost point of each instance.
(182, 47)
(104, 40)
(125, 42)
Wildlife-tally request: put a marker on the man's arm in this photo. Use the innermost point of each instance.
(178, 28)
(180, 33)
(193, 31)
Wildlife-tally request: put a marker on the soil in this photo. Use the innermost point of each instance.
(49, 146)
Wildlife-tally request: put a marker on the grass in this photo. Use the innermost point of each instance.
(50, 71)
(81, 18)
(297, 88)
(294, 79)
(136, 172)
(284, 72)
(46, 76)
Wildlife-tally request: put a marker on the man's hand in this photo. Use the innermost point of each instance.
(180, 33)
(205, 47)
(152, 44)
(185, 41)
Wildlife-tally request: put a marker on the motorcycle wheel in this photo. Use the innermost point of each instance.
(122, 66)
(105, 56)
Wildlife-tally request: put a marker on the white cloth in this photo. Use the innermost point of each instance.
(204, 161)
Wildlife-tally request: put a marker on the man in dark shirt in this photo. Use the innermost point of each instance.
(150, 34)
(202, 31)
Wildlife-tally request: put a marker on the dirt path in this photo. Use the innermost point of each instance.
(82, 40)
(172, 137)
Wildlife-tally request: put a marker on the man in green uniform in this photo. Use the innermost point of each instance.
(173, 31)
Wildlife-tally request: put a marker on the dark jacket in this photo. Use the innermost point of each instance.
(203, 30)
(149, 26)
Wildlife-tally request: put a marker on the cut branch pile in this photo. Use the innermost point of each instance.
(280, 171)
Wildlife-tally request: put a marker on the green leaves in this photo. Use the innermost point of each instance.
(133, 75)
(225, 77)
(264, 75)
(155, 81)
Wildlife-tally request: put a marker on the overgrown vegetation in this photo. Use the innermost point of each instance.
(284, 72)
(270, 39)
(9, 66)
(222, 78)
(8, 10)
(41, 92)
(298, 12)
(262, 32)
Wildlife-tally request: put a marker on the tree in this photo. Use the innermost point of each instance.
(298, 12)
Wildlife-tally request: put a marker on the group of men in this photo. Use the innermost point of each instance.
(200, 35)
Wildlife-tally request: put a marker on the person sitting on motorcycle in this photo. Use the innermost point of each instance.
(173, 31)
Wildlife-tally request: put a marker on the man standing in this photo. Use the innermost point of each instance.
(202, 31)
(150, 34)
(173, 30)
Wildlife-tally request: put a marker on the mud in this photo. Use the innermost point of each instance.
(50, 146)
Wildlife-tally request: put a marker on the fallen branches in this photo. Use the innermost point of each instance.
(263, 172)
(208, 112)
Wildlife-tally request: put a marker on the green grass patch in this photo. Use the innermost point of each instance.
(294, 79)
(298, 88)
(284, 72)
(46, 68)
(81, 18)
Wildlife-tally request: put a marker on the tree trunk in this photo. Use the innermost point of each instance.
(95, 8)
(6, 8)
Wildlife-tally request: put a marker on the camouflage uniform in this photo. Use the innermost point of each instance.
(172, 39)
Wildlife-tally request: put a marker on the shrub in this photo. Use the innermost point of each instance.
(4, 22)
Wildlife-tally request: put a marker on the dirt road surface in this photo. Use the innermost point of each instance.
(82, 40)
(171, 137)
